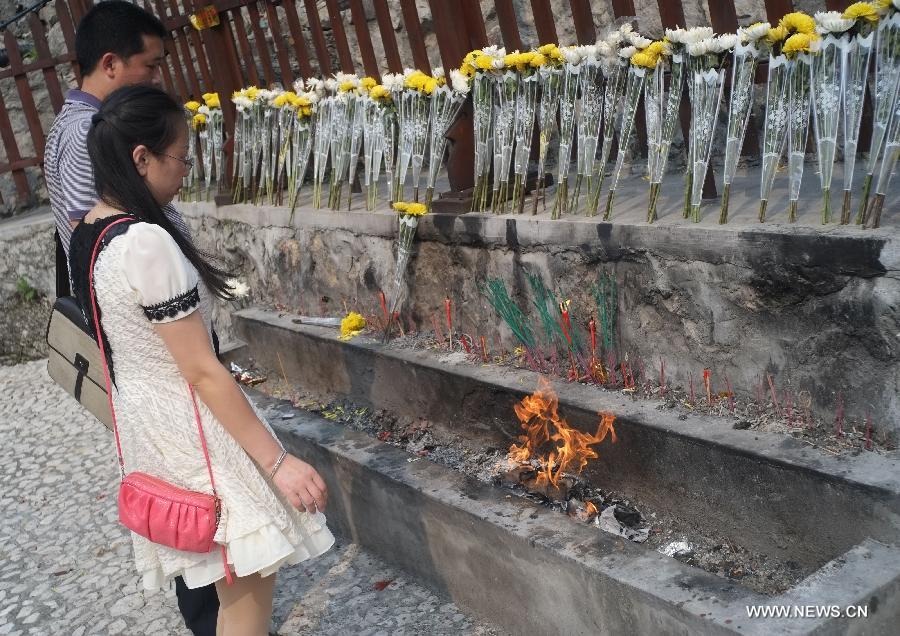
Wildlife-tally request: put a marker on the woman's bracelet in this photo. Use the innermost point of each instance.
(277, 464)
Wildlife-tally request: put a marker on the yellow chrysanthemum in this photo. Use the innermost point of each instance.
(368, 82)
(538, 60)
(547, 49)
(484, 62)
(304, 111)
(284, 99)
(861, 11)
(798, 43)
(198, 121)
(211, 100)
(251, 93)
(798, 22)
(645, 59)
(656, 48)
(192, 106)
(467, 69)
(352, 325)
(413, 209)
(429, 85)
(379, 93)
(347, 85)
(776, 34)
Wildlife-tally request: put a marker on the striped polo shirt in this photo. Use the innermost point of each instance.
(67, 167)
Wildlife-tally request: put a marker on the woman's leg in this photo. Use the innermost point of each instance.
(245, 607)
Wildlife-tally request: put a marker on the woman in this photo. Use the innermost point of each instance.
(153, 289)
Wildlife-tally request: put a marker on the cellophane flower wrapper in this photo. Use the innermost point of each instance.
(567, 98)
(654, 106)
(445, 106)
(357, 129)
(302, 148)
(505, 90)
(616, 72)
(887, 77)
(389, 125)
(321, 147)
(798, 126)
(634, 84)
(775, 126)
(482, 115)
(888, 164)
(589, 121)
(826, 89)
(854, 74)
(743, 74)
(526, 107)
(549, 106)
(706, 98)
(414, 109)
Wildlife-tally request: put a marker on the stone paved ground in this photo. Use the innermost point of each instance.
(66, 564)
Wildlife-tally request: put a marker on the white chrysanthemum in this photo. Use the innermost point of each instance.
(298, 86)
(393, 81)
(312, 96)
(340, 77)
(494, 51)
(627, 51)
(726, 42)
(331, 85)
(754, 32)
(589, 51)
(832, 22)
(458, 81)
(701, 47)
(242, 102)
(571, 54)
(203, 110)
(696, 34)
(675, 36)
(498, 63)
(897, 4)
(639, 40)
(438, 72)
(604, 49)
(626, 28)
(316, 84)
(239, 288)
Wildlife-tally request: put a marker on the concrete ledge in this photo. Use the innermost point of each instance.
(535, 571)
(767, 492)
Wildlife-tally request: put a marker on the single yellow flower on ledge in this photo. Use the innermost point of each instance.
(352, 325)
(413, 209)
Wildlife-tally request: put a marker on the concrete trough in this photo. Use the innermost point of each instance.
(534, 570)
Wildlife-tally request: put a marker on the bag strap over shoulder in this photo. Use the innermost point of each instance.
(96, 317)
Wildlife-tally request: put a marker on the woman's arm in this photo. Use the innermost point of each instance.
(188, 342)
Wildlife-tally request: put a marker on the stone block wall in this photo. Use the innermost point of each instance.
(820, 311)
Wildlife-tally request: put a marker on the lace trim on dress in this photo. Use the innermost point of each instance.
(174, 306)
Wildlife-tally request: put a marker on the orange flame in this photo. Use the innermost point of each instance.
(543, 426)
(591, 509)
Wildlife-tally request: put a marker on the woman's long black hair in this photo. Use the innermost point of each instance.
(129, 117)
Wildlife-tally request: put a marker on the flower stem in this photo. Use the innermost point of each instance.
(864, 203)
(688, 184)
(875, 216)
(845, 208)
(607, 214)
(723, 213)
(762, 210)
(651, 208)
(826, 208)
(792, 211)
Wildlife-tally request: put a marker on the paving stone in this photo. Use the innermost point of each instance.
(66, 565)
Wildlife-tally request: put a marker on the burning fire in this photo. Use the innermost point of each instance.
(570, 449)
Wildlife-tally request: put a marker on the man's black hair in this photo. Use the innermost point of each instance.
(114, 26)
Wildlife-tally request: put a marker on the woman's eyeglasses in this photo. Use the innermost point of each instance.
(188, 162)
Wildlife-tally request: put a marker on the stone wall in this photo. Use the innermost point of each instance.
(819, 311)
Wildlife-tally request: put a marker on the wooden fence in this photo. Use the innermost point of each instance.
(289, 41)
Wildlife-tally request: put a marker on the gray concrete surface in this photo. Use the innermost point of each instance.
(66, 565)
(700, 470)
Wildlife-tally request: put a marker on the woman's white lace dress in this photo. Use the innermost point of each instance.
(141, 277)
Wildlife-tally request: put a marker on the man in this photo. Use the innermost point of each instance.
(117, 44)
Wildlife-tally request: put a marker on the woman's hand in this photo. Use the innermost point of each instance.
(301, 485)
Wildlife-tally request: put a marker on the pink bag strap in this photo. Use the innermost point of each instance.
(112, 410)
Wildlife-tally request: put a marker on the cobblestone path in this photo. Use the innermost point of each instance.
(66, 565)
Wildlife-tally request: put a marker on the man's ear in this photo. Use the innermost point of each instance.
(141, 157)
(109, 64)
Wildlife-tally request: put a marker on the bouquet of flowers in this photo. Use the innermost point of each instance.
(705, 82)
(408, 214)
(300, 146)
(212, 140)
(858, 43)
(746, 58)
(480, 65)
(360, 100)
(198, 126)
(800, 49)
(506, 87)
(589, 120)
(571, 77)
(414, 108)
(887, 78)
(549, 75)
(379, 101)
(615, 69)
(528, 65)
(643, 56)
(243, 105)
(827, 68)
(446, 102)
